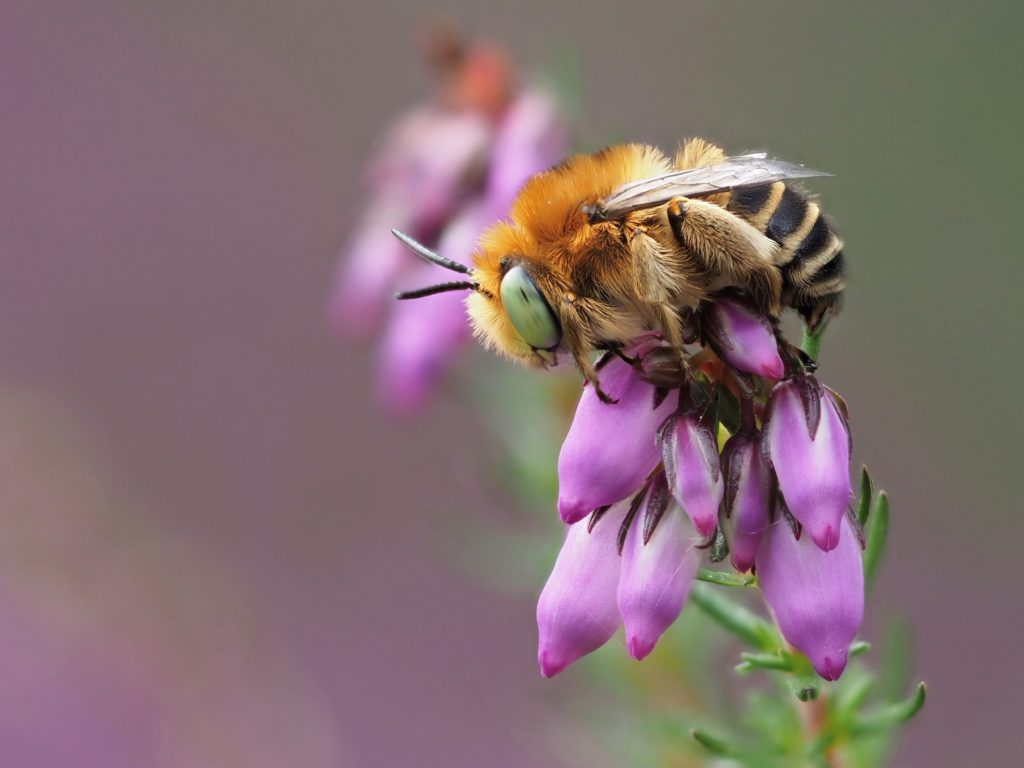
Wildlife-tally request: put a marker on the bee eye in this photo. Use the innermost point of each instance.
(530, 314)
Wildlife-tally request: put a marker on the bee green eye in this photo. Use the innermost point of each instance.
(530, 314)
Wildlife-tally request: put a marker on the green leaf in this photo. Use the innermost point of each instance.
(726, 578)
(713, 744)
(735, 618)
(781, 661)
(850, 695)
(856, 649)
(864, 502)
(891, 715)
(877, 534)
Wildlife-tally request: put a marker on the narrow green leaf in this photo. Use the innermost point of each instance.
(726, 578)
(866, 491)
(877, 534)
(849, 696)
(859, 647)
(893, 714)
(782, 662)
(735, 618)
(713, 744)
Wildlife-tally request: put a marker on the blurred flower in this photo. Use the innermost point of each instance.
(744, 339)
(808, 442)
(817, 597)
(443, 174)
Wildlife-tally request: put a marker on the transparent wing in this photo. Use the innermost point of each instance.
(740, 171)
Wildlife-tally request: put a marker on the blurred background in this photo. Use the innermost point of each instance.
(214, 550)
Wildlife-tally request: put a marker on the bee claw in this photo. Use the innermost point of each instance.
(603, 396)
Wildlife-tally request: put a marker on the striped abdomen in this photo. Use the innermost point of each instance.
(811, 255)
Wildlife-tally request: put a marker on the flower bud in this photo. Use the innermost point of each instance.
(691, 461)
(744, 339)
(610, 448)
(809, 445)
(656, 579)
(817, 597)
(577, 611)
(747, 496)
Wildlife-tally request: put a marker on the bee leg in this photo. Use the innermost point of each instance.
(617, 351)
(589, 372)
(725, 246)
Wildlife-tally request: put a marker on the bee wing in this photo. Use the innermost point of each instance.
(739, 171)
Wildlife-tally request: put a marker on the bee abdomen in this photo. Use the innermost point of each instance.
(810, 254)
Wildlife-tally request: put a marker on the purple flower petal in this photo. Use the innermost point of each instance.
(745, 339)
(425, 335)
(656, 579)
(748, 496)
(817, 597)
(532, 136)
(811, 460)
(364, 283)
(432, 159)
(610, 448)
(577, 611)
(691, 458)
(421, 342)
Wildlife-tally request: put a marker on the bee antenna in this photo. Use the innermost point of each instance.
(430, 290)
(428, 255)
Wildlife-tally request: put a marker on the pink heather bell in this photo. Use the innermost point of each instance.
(691, 461)
(744, 339)
(577, 611)
(656, 578)
(817, 597)
(808, 442)
(748, 496)
(610, 448)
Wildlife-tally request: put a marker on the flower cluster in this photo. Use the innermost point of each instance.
(444, 173)
(645, 490)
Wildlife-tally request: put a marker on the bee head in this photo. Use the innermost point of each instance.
(515, 308)
(510, 308)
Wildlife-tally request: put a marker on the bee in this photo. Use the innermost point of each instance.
(608, 246)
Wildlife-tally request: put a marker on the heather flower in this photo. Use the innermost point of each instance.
(610, 448)
(808, 442)
(691, 460)
(748, 495)
(744, 339)
(817, 597)
(629, 564)
(444, 173)
(659, 564)
(577, 612)
(424, 171)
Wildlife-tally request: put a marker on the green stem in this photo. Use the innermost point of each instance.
(811, 341)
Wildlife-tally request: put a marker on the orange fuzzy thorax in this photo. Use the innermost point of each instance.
(547, 229)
